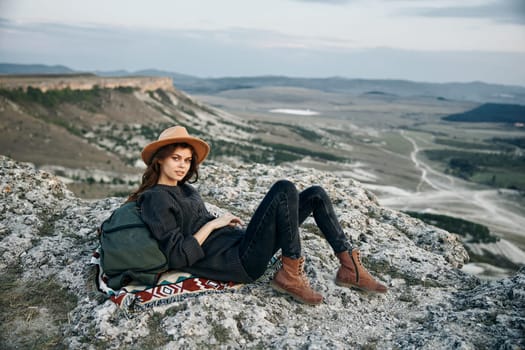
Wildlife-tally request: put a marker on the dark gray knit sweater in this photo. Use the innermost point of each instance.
(174, 214)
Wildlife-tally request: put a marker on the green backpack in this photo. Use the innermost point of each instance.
(129, 252)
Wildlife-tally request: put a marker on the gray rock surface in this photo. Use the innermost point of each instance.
(49, 300)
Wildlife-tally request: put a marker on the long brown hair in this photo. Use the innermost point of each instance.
(152, 173)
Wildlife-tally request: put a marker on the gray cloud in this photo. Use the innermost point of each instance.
(229, 53)
(507, 11)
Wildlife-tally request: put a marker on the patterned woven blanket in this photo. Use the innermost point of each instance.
(173, 286)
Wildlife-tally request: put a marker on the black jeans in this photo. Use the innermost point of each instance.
(275, 224)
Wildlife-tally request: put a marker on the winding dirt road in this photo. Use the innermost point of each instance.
(444, 194)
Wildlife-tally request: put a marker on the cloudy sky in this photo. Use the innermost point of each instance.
(422, 40)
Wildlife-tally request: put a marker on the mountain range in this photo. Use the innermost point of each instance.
(473, 91)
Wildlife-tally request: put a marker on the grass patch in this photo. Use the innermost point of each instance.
(396, 143)
(249, 153)
(471, 231)
(188, 111)
(53, 98)
(90, 100)
(32, 312)
(221, 333)
(501, 178)
(283, 149)
(471, 145)
(268, 153)
(299, 130)
(496, 169)
(516, 141)
(150, 133)
(164, 98)
(247, 129)
(126, 89)
(48, 224)
(157, 337)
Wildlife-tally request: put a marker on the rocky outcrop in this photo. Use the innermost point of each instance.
(48, 297)
(84, 82)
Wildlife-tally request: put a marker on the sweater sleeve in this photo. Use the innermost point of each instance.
(159, 212)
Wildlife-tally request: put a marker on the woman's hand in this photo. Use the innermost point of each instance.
(219, 222)
(227, 220)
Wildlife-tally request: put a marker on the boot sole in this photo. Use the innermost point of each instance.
(297, 298)
(353, 286)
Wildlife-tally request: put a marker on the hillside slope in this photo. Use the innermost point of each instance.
(29, 138)
(92, 129)
(491, 113)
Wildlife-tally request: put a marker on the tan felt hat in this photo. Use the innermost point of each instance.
(176, 134)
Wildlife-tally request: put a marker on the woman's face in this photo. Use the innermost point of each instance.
(175, 166)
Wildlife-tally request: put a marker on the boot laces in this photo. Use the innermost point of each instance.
(358, 258)
(302, 274)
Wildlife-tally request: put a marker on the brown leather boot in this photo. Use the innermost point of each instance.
(353, 274)
(290, 279)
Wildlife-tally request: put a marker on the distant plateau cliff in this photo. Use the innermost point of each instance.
(83, 82)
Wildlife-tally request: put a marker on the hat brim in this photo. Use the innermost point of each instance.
(202, 149)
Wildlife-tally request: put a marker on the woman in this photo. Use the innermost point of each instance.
(216, 247)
